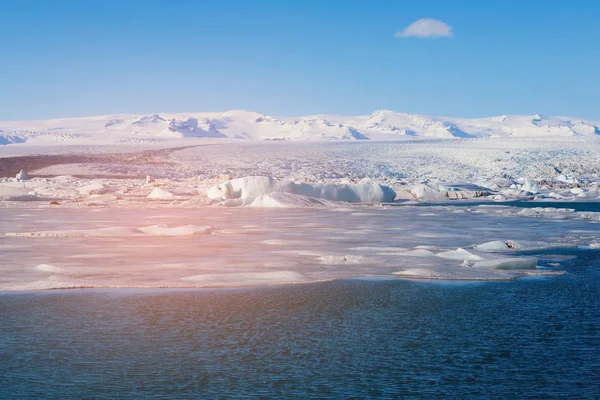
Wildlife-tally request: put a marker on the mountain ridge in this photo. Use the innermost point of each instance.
(240, 124)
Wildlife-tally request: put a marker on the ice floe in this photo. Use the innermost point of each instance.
(474, 260)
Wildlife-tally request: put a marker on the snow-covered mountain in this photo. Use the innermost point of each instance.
(380, 125)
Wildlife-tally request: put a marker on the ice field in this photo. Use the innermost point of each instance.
(228, 214)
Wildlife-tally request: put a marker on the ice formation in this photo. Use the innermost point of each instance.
(22, 176)
(251, 188)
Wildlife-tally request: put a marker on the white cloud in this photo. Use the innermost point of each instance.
(425, 28)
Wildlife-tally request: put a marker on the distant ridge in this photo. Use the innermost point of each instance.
(237, 124)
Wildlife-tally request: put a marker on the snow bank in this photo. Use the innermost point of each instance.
(250, 188)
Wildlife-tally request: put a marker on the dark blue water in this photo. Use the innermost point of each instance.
(531, 338)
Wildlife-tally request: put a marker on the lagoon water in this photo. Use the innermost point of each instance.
(356, 338)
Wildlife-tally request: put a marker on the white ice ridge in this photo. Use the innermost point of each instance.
(254, 189)
(155, 230)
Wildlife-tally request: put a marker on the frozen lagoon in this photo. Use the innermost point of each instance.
(45, 247)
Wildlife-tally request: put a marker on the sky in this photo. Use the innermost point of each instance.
(69, 58)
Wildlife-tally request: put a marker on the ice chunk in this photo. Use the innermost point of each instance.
(418, 253)
(459, 254)
(426, 193)
(22, 176)
(494, 246)
(592, 194)
(512, 192)
(160, 194)
(498, 183)
(566, 179)
(93, 188)
(507, 263)
(498, 246)
(576, 190)
(530, 187)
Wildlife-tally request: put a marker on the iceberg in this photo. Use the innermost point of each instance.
(252, 187)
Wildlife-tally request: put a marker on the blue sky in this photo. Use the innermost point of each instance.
(76, 58)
